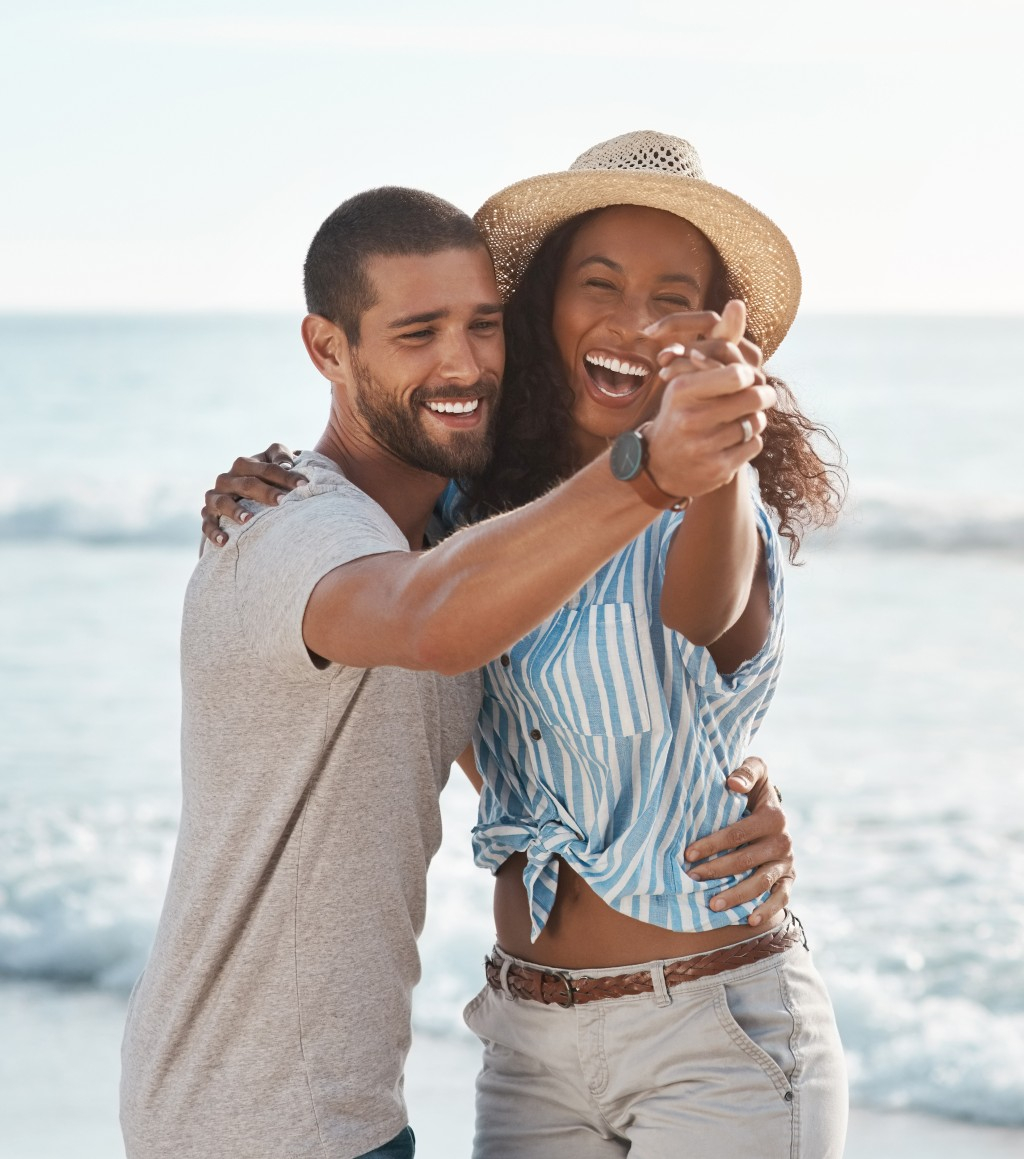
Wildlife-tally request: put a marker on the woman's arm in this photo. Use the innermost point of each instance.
(263, 478)
(715, 590)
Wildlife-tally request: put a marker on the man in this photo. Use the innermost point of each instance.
(273, 1017)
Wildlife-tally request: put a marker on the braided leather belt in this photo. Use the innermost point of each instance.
(558, 988)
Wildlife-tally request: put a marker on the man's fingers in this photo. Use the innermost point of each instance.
(764, 880)
(766, 822)
(777, 901)
(737, 861)
(743, 778)
(711, 383)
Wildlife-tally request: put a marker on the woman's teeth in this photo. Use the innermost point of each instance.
(618, 367)
(614, 377)
(454, 408)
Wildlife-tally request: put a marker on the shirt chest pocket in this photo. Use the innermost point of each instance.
(585, 673)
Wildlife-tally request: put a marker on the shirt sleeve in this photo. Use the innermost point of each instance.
(450, 511)
(763, 665)
(284, 553)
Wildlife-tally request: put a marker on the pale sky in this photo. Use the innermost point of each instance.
(179, 156)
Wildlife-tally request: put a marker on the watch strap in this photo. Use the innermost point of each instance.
(644, 485)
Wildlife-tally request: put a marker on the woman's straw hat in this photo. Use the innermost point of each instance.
(663, 172)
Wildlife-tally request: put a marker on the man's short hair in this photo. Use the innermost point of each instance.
(387, 222)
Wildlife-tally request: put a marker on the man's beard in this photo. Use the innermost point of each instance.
(397, 426)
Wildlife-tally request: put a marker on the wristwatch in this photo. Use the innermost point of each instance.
(629, 464)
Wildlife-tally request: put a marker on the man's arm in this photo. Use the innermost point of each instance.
(462, 603)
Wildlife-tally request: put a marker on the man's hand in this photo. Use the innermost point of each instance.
(759, 842)
(263, 478)
(711, 414)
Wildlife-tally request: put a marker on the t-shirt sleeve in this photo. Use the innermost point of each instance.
(764, 664)
(285, 552)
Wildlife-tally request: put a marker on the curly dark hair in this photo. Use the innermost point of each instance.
(534, 450)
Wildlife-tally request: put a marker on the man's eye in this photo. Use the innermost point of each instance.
(418, 334)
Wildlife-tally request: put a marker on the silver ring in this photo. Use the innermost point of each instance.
(747, 427)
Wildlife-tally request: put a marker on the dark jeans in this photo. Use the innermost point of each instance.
(402, 1146)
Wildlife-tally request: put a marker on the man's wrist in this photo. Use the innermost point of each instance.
(630, 463)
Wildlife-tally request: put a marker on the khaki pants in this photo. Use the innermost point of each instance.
(743, 1065)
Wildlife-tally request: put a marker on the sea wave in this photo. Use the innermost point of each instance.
(156, 516)
(80, 890)
(941, 524)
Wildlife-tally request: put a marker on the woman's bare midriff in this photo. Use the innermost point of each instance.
(584, 932)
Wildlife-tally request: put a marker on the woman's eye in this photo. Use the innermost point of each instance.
(676, 303)
(599, 284)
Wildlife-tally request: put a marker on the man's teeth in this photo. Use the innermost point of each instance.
(454, 408)
(616, 366)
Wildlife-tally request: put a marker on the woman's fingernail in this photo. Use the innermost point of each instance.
(245, 517)
(220, 539)
(696, 356)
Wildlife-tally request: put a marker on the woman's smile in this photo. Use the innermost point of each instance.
(616, 377)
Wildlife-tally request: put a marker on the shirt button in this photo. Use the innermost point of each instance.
(505, 661)
(535, 734)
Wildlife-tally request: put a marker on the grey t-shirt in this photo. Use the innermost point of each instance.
(273, 1017)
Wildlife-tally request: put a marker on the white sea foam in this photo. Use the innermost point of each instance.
(80, 891)
(140, 512)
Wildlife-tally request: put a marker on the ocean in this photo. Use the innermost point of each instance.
(896, 736)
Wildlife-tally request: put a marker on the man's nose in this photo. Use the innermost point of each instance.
(458, 361)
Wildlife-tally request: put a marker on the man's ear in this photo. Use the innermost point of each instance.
(328, 346)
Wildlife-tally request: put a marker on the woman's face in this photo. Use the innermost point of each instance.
(627, 267)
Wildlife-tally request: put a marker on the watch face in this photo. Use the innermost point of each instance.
(627, 458)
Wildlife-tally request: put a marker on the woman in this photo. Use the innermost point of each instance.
(648, 1020)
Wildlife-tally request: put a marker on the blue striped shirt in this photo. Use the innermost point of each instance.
(605, 739)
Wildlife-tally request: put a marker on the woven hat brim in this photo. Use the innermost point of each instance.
(759, 261)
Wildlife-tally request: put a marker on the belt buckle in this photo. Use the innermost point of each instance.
(570, 997)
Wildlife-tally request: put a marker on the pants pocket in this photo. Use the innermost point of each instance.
(474, 1005)
(755, 1017)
